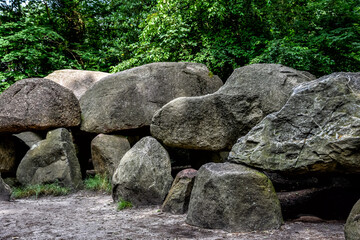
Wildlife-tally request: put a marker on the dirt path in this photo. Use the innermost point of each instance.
(87, 215)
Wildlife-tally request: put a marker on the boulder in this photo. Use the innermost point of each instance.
(214, 122)
(143, 176)
(177, 201)
(5, 191)
(133, 96)
(352, 226)
(316, 131)
(51, 160)
(78, 81)
(37, 104)
(29, 138)
(234, 198)
(107, 151)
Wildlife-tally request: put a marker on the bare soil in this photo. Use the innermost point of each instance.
(89, 215)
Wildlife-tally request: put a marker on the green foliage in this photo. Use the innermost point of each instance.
(38, 37)
(98, 183)
(40, 190)
(122, 204)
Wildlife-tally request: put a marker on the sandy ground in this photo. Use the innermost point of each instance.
(88, 215)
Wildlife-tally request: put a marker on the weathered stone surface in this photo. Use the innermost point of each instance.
(352, 226)
(177, 201)
(78, 81)
(51, 160)
(29, 138)
(107, 151)
(215, 121)
(133, 96)
(233, 197)
(37, 104)
(5, 191)
(316, 131)
(143, 176)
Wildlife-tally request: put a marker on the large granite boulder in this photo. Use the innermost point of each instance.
(234, 198)
(78, 81)
(143, 176)
(316, 131)
(37, 104)
(51, 160)
(215, 121)
(133, 96)
(107, 151)
(177, 201)
(352, 226)
(5, 191)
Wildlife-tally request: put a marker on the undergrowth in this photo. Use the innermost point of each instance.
(98, 183)
(122, 204)
(38, 190)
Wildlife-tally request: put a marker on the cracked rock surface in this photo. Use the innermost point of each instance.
(133, 96)
(37, 104)
(318, 130)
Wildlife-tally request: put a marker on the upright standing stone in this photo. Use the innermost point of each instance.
(177, 201)
(143, 176)
(234, 198)
(107, 151)
(51, 160)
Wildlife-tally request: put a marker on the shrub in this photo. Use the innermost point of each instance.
(98, 183)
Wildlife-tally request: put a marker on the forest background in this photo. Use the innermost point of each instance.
(40, 36)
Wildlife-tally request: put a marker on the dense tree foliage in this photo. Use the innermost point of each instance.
(39, 36)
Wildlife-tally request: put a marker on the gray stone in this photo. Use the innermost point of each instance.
(78, 81)
(316, 131)
(5, 191)
(37, 104)
(234, 198)
(215, 121)
(143, 176)
(177, 201)
(107, 151)
(51, 160)
(133, 96)
(29, 138)
(352, 226)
